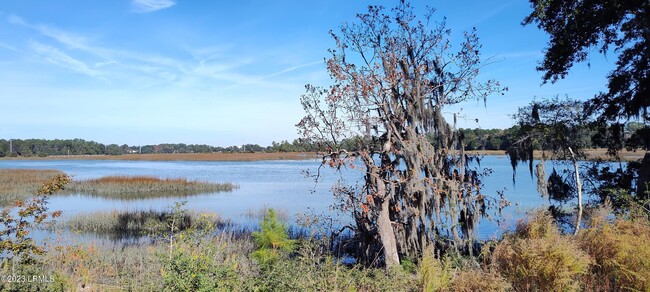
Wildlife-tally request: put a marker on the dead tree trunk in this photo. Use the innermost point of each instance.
(579, 188)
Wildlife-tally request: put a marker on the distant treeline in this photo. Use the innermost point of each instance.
(42, 148)
(473, 139)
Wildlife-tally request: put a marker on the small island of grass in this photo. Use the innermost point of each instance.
(133, 187)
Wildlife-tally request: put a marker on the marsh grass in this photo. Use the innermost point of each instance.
(259, 213)
(134, 187)
(20, 184)
(120, 225)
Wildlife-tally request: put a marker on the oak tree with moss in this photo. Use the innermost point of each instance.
(393, 75)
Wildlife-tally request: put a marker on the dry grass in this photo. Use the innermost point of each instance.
(182, 157)
(479, 280)
(621, 253)
(20, 184)
(536, 257)
(129, 187)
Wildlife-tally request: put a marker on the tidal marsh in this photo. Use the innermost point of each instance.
(20, 184)
(135, 187)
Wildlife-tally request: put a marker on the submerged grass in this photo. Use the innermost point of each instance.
(130, 187)
(118, 225)
(20, 184)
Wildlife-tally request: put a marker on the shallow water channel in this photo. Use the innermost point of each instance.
(279, 184)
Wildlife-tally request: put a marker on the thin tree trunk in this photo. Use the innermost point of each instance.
(579, 187)
(643, 184)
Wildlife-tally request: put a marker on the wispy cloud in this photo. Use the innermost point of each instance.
(145, 6)
(534, 54)
(123, 61)
(13, 19)
(292, 68)
(492, 13)
(8, 47)
(206, 65)
(58, 57)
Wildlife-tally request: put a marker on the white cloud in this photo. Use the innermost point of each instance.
(58, 57)
(145, 6)
(83, 54)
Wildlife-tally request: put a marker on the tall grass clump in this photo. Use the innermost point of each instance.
(445, 274)
(133, 224)
(536, 257)
(20, 184)
(128, 187)
(434, 274)
(621, 253)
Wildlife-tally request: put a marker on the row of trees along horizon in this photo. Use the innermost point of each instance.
(636, 135)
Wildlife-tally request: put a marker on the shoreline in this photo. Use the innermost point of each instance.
(256, 156)
(593, 154)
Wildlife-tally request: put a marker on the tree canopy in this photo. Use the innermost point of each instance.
(576, 27)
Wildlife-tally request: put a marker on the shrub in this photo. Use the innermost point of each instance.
(197, 261)
(19, 252)
(271, 240)
(621, 253)
(538, 257)
(18, 222)
(434, 274)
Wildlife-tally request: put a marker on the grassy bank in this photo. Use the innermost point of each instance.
(134, 187)
(20, 184)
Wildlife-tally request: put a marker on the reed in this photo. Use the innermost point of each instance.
(119, 225)
(125, 187)
(20, 184)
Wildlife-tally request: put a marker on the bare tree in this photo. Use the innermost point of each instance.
(393, 75)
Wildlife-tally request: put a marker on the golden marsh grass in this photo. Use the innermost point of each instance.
(20, 184)
(130, 187)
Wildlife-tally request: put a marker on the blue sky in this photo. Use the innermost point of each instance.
(223, 72)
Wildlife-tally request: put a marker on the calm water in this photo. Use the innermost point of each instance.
(277, 184)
